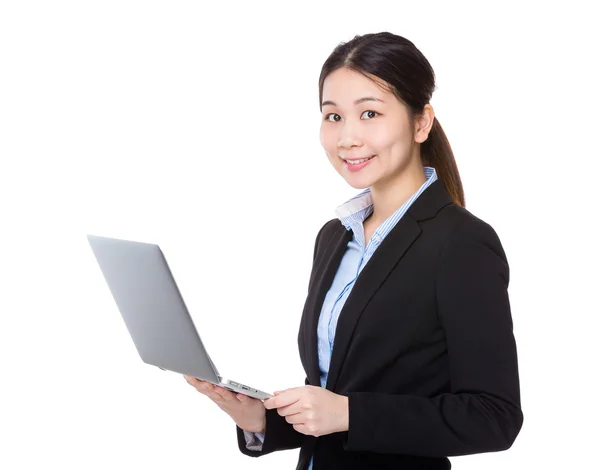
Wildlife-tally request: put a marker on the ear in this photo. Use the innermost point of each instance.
(423, 124)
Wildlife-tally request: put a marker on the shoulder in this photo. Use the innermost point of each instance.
(327, 233)
(467, 236)
(331, 227)
(460, 222)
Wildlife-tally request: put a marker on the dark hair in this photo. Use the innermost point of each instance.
(398, 62)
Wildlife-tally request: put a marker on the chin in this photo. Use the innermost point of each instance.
(358, 182)
(357, 185)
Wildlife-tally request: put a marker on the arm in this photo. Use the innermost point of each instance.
(482, 413)
(278, 435)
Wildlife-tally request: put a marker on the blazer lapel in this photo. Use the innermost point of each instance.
(326, 271)
(385, 258)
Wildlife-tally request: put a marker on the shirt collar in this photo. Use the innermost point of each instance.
(357, 209)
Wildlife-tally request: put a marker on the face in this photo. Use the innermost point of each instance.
(366, 131)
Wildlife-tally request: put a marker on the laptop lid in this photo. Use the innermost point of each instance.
(152, 307)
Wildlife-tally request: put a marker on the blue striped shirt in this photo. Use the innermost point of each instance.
(359, 251)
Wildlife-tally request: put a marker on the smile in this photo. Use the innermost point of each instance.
(357, 162)
(357, 165)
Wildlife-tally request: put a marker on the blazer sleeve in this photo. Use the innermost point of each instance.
(482, 412)
(278, 435)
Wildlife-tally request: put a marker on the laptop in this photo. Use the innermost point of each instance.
(154, 312)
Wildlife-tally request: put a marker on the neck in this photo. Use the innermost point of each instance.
(388, 196)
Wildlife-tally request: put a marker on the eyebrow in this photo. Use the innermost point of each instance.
(358, 101)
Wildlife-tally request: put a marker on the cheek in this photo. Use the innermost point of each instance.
(328, 140)
(388, 140)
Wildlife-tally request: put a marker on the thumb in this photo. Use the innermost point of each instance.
(279, 392)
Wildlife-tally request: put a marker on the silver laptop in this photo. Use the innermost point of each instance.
(154, 312)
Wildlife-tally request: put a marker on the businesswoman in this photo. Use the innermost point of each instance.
(406, 334)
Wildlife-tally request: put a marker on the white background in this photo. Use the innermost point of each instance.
(196, 127)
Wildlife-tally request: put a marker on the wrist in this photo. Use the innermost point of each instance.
(259, 426)
(262, 426)
(345, 415)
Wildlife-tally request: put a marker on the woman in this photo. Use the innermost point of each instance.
(411, 285)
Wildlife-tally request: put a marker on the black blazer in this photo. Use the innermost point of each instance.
(424, 347)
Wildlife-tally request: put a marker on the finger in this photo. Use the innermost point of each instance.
(204, 387)
(296, 418)
(245, 398)
(278, 392)
(190, 380)
(193, 381)
(270, 403)
(218, 399)
(226, 395)
(286, 398)
(290, 409)
(209, 390)
(303, 428)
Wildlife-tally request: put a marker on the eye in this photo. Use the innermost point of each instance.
(370, 114)
(336, 117)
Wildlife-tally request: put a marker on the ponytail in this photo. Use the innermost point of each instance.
(437, 153)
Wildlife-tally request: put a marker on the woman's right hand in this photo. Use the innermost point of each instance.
(247, 412)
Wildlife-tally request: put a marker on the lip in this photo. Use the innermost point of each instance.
(358, 167)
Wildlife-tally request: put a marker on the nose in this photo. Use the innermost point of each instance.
(349, 135)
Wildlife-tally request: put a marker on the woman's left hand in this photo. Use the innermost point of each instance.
(314, 411)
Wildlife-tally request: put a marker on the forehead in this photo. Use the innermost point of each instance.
(345, 85)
